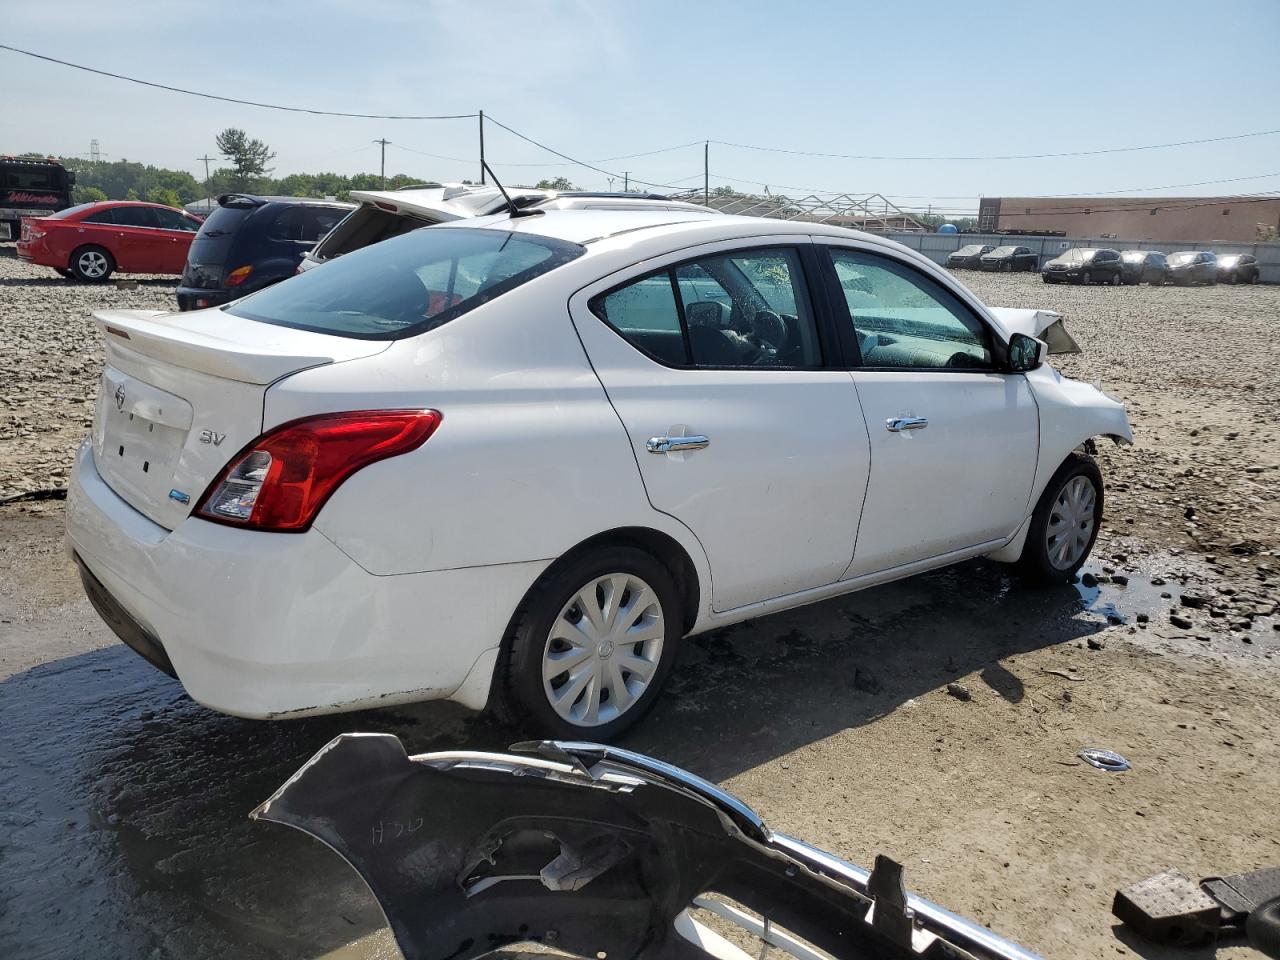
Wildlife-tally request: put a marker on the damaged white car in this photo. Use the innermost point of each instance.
(514, 460)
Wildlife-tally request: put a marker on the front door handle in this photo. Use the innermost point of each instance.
(898, 424)
(675, 444)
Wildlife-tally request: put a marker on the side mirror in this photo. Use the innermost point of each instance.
(1025, 353)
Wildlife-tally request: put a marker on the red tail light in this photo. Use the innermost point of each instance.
(281, 480)
(239, 275)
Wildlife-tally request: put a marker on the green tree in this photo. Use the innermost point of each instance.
(164, 195)
(87, 194)
(249, 157)
(559, 183)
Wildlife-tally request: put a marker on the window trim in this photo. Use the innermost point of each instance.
(839, 309)
(812, 285)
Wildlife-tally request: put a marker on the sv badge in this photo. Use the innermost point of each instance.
(209, 436)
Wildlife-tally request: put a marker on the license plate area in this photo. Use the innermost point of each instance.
(139, 435)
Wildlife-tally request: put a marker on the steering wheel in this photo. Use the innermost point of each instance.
(769, 328)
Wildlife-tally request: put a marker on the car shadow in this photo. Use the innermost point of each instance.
(128, 801)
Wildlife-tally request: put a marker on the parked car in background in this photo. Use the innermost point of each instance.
(1143, 266)
(251, 242)
(31, 187)
(94, 240)
(1193, 266)
(1009, 259)
(353, 488)
(1238, 268)
(1084, 265)
(970, 257)
(388, 213)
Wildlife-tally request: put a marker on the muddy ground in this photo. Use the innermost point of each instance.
(122, 808)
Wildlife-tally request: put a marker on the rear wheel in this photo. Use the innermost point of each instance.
(592, 645)
(92, 264)
(1065, 523)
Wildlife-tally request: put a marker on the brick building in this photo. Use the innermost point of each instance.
(1164, 219)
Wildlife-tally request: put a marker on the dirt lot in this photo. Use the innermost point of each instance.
(122, 813)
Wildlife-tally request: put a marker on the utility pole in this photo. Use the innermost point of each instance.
(481, 147)
(95, 155)
(206, 158)
(706, 173)
(384, 141)
(626, 181)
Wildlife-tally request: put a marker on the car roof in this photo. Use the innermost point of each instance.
(681, 228)
(298, 201)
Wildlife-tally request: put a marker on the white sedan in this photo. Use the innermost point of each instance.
(512, 461)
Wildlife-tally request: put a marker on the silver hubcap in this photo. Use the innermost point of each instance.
(1071, 523)
(603, 650)
(93, 264)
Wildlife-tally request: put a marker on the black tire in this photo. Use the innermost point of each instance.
(520, 697)
(1035, 564)
(92, 264)
(65, 274)
(1256, 278)
(1158, 282)
(1045, 279)
(1006, 268)
(1086, 278)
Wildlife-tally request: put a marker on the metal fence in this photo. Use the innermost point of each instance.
(936, 246)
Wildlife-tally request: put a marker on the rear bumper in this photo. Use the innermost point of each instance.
(197, 298)
(265, 625)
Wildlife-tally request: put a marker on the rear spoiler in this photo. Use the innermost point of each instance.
(231, 353)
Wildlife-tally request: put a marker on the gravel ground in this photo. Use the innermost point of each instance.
(122, 820)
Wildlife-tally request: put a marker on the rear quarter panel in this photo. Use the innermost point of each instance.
(529, 460)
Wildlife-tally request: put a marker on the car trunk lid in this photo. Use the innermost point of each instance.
(182, 393)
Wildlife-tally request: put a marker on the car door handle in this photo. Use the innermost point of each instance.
(898, 424)
(675, 444)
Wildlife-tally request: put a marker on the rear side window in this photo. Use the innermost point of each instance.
(136, 217)
(749, 308)
(409, 284)
(304, 224)
(101, 216)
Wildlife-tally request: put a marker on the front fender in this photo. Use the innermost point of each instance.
(1071, 412)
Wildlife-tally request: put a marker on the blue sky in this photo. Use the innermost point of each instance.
(606, 78)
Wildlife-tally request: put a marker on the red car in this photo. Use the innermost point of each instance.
(94, 240)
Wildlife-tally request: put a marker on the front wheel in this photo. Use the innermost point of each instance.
(592, 646)
(1065, 523)
(92, 264)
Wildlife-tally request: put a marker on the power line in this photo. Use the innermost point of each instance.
(1010, 156)
(565, 156)
(247, 103)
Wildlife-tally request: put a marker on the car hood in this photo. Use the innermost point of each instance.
(594, 851)
(1044, 325)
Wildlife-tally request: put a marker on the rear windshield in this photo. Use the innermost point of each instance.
(212, 244)
(408, 284)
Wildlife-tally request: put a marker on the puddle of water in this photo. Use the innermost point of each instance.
(1145, 605)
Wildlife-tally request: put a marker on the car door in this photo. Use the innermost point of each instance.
(139, 244)
(718, 368)
(954, 440)
(177, 231)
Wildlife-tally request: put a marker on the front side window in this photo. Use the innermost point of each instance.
(408, 284)
(748, 308)
(903, 319)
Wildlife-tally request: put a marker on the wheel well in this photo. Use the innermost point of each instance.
(661, 546)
